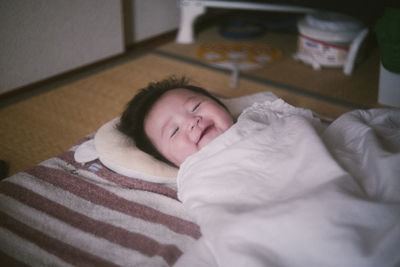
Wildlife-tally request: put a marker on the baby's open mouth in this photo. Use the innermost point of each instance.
(206, 130)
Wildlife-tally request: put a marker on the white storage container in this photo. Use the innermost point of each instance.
(329, 40)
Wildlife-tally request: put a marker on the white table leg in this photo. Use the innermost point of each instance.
(190, 10)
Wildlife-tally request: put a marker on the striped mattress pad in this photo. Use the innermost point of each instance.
(62, 213)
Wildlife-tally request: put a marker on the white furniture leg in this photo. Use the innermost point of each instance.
(190, 10)
(354, 47)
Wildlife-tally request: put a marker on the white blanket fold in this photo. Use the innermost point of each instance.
(274, 191)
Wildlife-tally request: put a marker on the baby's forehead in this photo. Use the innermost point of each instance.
(171, 100)
(181, 94)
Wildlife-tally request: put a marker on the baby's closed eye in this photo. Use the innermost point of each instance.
(174, 131)
(196, 107)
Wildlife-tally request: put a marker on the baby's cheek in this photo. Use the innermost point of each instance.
(227, 122)
(184, 151)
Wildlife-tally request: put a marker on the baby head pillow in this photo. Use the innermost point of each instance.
(118, 152)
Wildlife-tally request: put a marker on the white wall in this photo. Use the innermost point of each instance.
(43, 38)
(150, 18)
(40, 39)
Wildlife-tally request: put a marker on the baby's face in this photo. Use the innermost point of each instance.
(181, 122)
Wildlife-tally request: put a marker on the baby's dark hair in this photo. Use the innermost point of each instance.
(132, 120)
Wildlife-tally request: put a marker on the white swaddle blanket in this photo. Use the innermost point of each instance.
(277, 190)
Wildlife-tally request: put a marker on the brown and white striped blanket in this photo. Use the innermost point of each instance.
(62, 213)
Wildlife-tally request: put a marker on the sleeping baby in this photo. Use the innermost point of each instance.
(276, 187)
(172, 119)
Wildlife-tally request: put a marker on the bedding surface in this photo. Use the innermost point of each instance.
(278, 189)
(62, 213)
(86, 208)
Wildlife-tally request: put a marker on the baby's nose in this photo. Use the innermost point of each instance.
(193, 129)
(194, 122)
